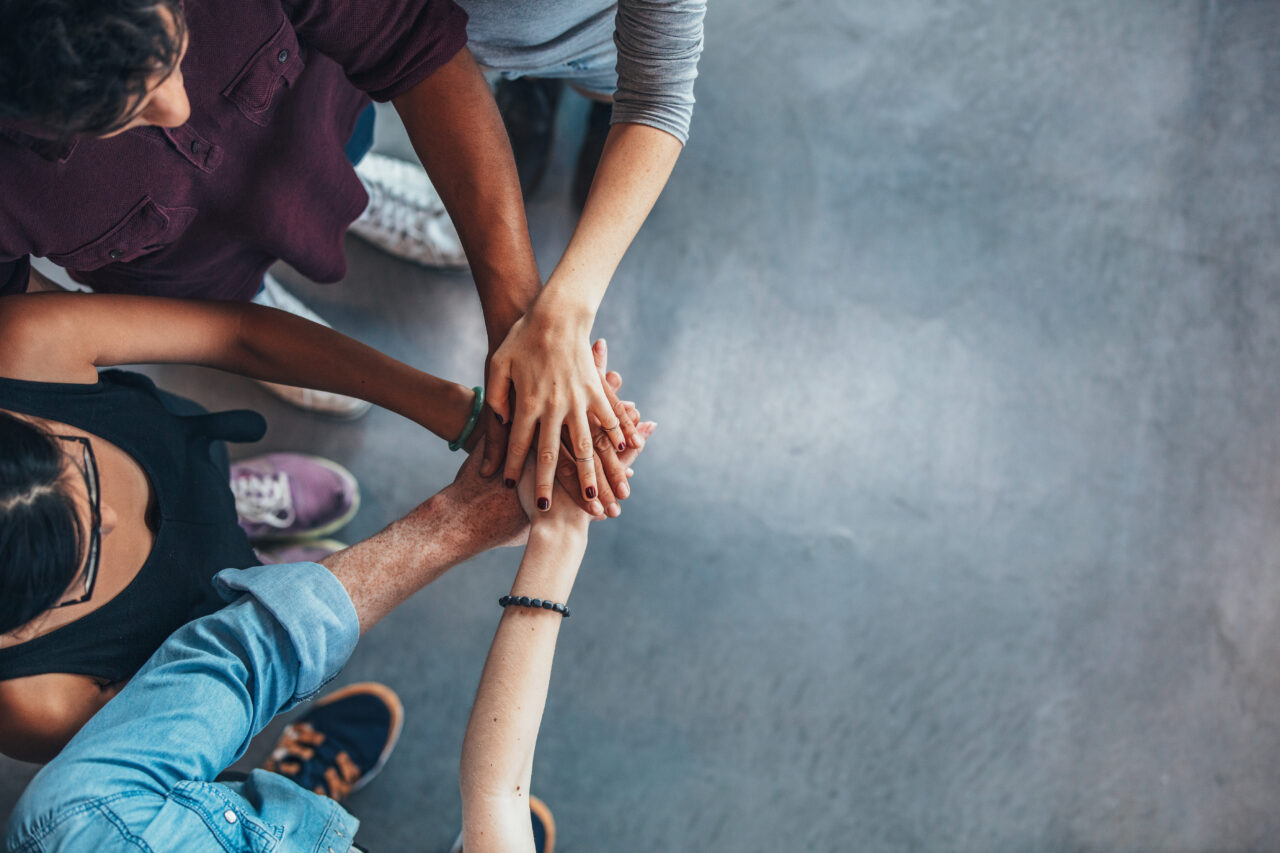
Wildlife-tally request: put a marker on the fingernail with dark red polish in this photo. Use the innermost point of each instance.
(591, 492)
(622, 445)
(544, 504)
(509, 483)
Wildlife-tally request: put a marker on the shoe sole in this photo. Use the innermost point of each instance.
(331, 545)
(280, 392)
(331, 527)
(392, 701)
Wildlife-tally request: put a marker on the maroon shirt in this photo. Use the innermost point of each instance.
(258, 173)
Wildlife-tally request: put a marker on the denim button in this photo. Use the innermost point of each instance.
(230, 816)
(115, 254)
(283, 56)
(195, 146)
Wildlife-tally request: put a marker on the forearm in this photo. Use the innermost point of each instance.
(633, 170)
(458, 135)
(281, 347)
(470, 516)
(497, 752)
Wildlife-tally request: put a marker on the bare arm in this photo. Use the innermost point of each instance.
(547, 356)
(497, 752)
(65, 337)
(458, 134)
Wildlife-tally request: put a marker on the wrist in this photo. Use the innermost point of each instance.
(560, 534)
(507, 303)
(446, 412)
(555, 307)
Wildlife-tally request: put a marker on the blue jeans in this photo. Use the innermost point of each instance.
(139, 775)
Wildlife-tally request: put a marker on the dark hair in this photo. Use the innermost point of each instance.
(71, 67)
(41, 540)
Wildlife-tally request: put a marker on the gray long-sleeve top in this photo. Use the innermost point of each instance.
(653, 44)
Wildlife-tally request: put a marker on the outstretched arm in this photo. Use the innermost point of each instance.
(497, 753)
(545, 356)
(65, 337)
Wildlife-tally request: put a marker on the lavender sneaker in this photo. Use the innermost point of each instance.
(289, 496)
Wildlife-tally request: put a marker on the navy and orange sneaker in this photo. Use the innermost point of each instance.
(341, 742)
(544, 828)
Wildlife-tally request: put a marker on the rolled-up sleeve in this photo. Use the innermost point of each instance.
(14, 275)
(215, 683)
(386, 48)
(659, 43)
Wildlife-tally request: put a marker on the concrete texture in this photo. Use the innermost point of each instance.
(961, 324)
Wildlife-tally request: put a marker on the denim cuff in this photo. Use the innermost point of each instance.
(313, 608)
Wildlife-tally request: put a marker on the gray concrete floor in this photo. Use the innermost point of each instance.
(961, 324)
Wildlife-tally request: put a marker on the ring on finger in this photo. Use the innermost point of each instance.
(586, 458)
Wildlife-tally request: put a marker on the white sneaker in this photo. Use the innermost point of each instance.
(405, 216)
(273, 295)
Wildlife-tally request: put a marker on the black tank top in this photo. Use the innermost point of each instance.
(179, 446)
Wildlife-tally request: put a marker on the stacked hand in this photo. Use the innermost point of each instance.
(583, 445)
(563, 401)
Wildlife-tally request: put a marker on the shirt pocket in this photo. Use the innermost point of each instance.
(146, 229)
(276, 64)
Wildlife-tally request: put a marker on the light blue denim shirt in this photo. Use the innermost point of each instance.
(139, 775)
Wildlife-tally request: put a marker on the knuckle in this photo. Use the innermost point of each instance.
(584, 445)
(547, 457)
(602, 443)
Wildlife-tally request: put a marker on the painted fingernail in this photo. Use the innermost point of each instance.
(544, 504)
(509, 483)
(591, 492)
(622, 445)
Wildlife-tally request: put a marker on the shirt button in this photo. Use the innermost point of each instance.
(283, 56)
(230, 816)
(115, 254)
(195, 146)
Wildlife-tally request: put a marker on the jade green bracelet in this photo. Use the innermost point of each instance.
(476, 405)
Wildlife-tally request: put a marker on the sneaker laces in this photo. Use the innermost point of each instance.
(264, 499)
(296, 751)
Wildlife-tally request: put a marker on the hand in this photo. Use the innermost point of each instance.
(566, 511)
(609, 469)
(488, 507)
(610, 472)
(556, 384)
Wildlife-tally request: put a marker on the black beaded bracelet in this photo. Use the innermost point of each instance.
(526, 601)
